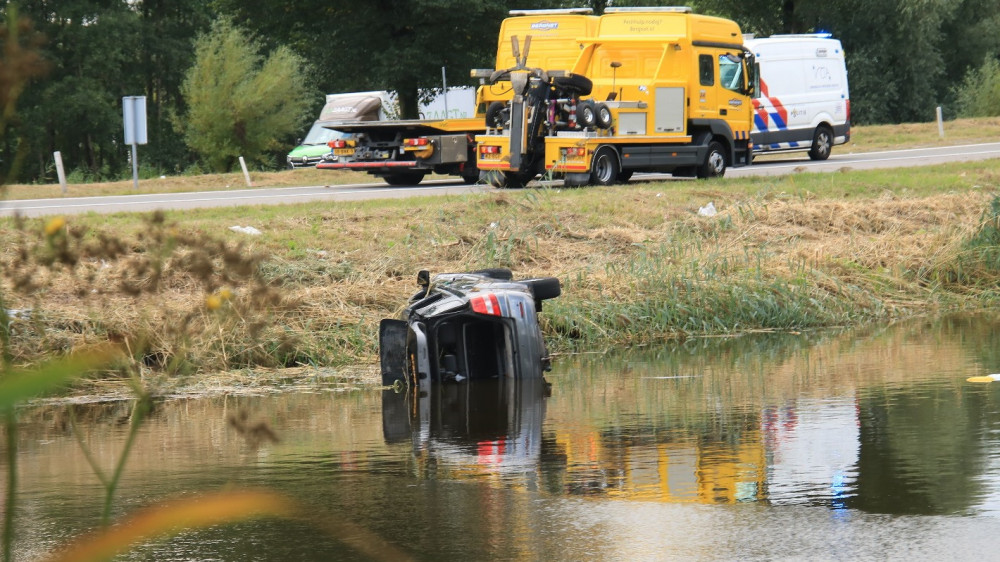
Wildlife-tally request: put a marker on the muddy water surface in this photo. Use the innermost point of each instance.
(860, 445)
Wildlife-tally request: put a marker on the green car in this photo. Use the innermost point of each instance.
(339, 108)
(313, 146)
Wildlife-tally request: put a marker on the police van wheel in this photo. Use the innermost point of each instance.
(604, 169)
(822, 144)
(714, 165)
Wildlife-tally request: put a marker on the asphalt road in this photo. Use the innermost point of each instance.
(793, 163)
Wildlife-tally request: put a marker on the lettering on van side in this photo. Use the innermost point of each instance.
(545, 25)
(642, 25)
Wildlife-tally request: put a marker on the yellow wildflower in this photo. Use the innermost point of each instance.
(213, 302)
(54, 225)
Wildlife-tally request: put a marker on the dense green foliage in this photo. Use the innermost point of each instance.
(979, 93)
(905, 57)
(19, 63)
(361, 45)
(239, 103)
(99, 51)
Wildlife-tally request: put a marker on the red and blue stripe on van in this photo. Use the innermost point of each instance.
(767, 111)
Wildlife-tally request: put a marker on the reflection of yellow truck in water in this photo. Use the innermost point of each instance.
(653, 90)
(695, 470)
(403, 152)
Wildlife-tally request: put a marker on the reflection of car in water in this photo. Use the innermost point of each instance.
(486, 426)
(466, 327)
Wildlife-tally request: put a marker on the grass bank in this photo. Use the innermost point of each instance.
(639, 265)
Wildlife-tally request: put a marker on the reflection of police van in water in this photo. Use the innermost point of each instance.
(802, 102)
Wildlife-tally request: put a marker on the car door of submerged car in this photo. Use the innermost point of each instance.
(403, 347)
(392, 350)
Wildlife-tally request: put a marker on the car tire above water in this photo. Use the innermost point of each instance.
(501, 273)
(544, 288)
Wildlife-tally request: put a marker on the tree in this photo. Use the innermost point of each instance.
(239, 102)
(382, 44)
(100, 51)
(20, 62)
(979, 93)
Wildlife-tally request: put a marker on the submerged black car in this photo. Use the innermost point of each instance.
(467, 326)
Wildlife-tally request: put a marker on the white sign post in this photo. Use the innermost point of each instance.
(60, 171)
(134, 113)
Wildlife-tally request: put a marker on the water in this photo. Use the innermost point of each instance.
(834, 446)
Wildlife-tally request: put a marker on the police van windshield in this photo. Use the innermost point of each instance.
(731, 72)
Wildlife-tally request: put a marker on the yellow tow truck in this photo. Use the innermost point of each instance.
(656, 89)
(402, 152)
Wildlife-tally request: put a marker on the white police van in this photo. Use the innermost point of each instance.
(802, 101)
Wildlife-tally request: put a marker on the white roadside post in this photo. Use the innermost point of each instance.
(940, 122)
(246, 174)
(134, 113)
(444, 86)
(60, 171)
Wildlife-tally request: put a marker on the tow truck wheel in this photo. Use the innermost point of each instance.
(493, 112)
(470, 178)
(516, 180)
(586, 114)
(404, 178)
(603, 116)
(573, 84)
(604, 169)
(714, 165)
(822, 143)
